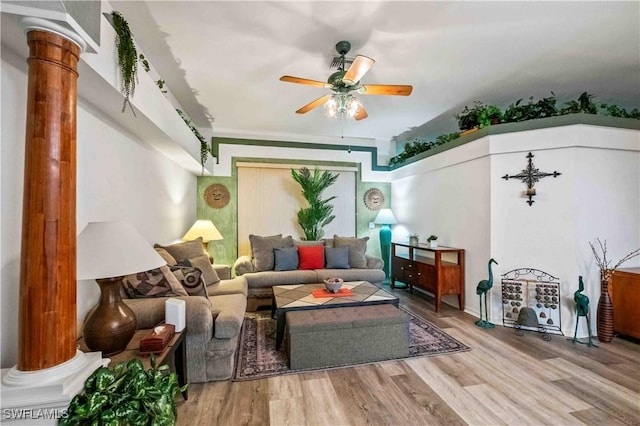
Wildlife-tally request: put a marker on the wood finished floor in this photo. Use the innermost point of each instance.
(504, 379)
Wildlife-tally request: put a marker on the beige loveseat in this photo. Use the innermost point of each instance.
(261, 275)
(214, 308)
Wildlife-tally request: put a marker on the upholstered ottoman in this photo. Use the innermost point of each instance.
(348, 335)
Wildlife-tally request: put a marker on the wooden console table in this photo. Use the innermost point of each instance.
(438, 270)
(625, 289)
(175, 354)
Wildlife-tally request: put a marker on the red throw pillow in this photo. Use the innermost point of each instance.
(311, 257)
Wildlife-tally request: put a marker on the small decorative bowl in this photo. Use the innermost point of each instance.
(333, 284)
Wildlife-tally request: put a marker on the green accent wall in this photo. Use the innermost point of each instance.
(226, 218)
(364, 216)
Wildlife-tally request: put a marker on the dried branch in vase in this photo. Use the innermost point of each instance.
(600, 254)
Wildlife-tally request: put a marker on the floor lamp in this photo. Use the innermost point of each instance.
(385, 218)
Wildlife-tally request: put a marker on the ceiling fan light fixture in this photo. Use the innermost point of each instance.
(342, 104)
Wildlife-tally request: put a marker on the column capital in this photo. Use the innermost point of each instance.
(30, 23)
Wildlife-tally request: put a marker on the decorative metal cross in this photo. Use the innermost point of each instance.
(530, 176)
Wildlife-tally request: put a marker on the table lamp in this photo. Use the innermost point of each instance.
(106, 252)
(205, 229)
(385, 218)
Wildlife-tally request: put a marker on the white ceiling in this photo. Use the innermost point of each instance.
(222, 59)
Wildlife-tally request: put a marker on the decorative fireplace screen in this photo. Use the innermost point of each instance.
(531, 301)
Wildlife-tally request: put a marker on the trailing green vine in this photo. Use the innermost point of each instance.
(204, 148)
(145, 63)
(127, 58)
(481, 115)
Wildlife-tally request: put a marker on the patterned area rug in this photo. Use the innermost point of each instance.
(257, 357)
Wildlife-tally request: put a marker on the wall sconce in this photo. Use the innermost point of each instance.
(530, 176)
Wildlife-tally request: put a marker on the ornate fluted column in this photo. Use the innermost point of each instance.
(47, 312)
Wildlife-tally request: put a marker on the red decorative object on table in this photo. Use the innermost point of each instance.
(323, 292)
(157, 340)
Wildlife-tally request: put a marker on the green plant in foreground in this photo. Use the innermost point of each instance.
(127, 57)
(126, 394)
(320, 212)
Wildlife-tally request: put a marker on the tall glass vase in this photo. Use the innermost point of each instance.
(605, 310)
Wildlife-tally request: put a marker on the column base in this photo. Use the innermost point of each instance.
(41, 397)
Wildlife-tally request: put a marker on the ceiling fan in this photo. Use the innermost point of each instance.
(343, 82)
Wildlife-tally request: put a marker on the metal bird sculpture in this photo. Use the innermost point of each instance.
(483, 287)
(582, 310)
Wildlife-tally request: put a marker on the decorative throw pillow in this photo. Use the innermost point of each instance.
(308, 243)
(185, 250)
(357, 247)
(166, 256)
(337, 257)
(321, 242)
(191, 279)
(262, 250)
(286, 259)
(202, 262)
(311, 257)
(158, 282)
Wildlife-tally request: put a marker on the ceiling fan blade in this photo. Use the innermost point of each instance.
(361, 114)
(311, 105)
(290, 79)
(387, 89)
(358, 68)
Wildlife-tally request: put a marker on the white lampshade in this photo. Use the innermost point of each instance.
(113, 249)
(205, 229)
(385, 217)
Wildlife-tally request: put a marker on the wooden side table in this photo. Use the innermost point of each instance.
(438, 270)
(176, 351)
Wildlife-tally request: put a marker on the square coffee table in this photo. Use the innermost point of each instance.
(299, 297)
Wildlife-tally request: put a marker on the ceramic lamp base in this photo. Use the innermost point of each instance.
(385, 249)
(112, 324)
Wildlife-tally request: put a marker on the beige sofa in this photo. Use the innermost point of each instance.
(261, 281)
(214, 312)
(213, 327)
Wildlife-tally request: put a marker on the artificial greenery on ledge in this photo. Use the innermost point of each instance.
(127, 57)
(481, 115)
(204, 148)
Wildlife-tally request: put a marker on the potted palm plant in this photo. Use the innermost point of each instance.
(320, 211)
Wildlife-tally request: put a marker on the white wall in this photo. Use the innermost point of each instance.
(460, 196)
(118, 177)
(448, 195)
(271, 189)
